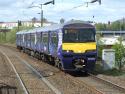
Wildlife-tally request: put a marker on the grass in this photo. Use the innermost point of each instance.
(111, 72)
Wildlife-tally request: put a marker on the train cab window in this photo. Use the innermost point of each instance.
(79, 35)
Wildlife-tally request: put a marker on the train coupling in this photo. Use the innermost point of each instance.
(79, 63)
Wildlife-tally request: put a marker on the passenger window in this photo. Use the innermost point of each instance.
(39, 38)
(25, 37)
(54, 39)
(33, 37)
(45, 38)
(28, 37)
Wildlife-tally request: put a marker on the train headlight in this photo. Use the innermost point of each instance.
(82, 60)
(68, 51)
(79, 51)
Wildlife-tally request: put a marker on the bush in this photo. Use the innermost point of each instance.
(10, 37)
(119, 54)
(99, 50)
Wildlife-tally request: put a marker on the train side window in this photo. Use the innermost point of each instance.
(28, 37)
(54, 39)
(22, 37)
(45, 38)
(38, 37)
(25, 37)
(17, 38)
(33, 38)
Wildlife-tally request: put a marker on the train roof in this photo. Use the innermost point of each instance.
(77, 24)
(54, 27)
(50, 28)
(21, 32)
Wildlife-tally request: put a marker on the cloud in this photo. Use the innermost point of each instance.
(13, 10)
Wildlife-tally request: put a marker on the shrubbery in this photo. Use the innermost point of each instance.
(10, 37)
(119, 54)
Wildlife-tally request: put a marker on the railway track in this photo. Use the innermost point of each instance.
(102, 85)
(88, 85)
(32, 81)
(64, 82)
(10, 81)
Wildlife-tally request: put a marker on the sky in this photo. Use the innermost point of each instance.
(109, 10)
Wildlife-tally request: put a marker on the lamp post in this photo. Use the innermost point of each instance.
(41, 16)
(50, 2)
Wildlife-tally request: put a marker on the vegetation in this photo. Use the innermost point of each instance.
(112, 72)
(119, 54)
(10, 37)
(114, 26)
(100, 46)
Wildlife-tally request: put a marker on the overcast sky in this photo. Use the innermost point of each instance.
(109, 10)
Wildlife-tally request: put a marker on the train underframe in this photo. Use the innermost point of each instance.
(74, 62)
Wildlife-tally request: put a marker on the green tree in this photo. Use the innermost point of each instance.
(101, 27)
(115, 26)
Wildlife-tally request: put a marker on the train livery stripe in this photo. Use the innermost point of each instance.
(79, 47)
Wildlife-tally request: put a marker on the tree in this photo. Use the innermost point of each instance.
(101, 27)
(62, 20)
(115, 26)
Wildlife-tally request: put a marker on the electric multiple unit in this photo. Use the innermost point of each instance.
(70, 46)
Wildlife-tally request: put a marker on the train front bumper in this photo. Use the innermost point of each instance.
(79, 61)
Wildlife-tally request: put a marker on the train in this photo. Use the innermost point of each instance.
(69, 46)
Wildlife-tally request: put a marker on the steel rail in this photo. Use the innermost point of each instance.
(18, 76)
(52, 87)
(108, 82)
(87, 86)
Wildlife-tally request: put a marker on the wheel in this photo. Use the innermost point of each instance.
(56, 61)
(44, 58)
(60, 66)
(86, 73)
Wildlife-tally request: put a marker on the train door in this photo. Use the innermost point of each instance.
(38, 36)
(32, 41)
(53, 45)
(24, 40)
(45, 41)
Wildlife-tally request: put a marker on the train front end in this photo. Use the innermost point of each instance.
(79, 47)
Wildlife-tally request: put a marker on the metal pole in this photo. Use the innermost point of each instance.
(123, 24)
(18, 26)
(41, 16)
